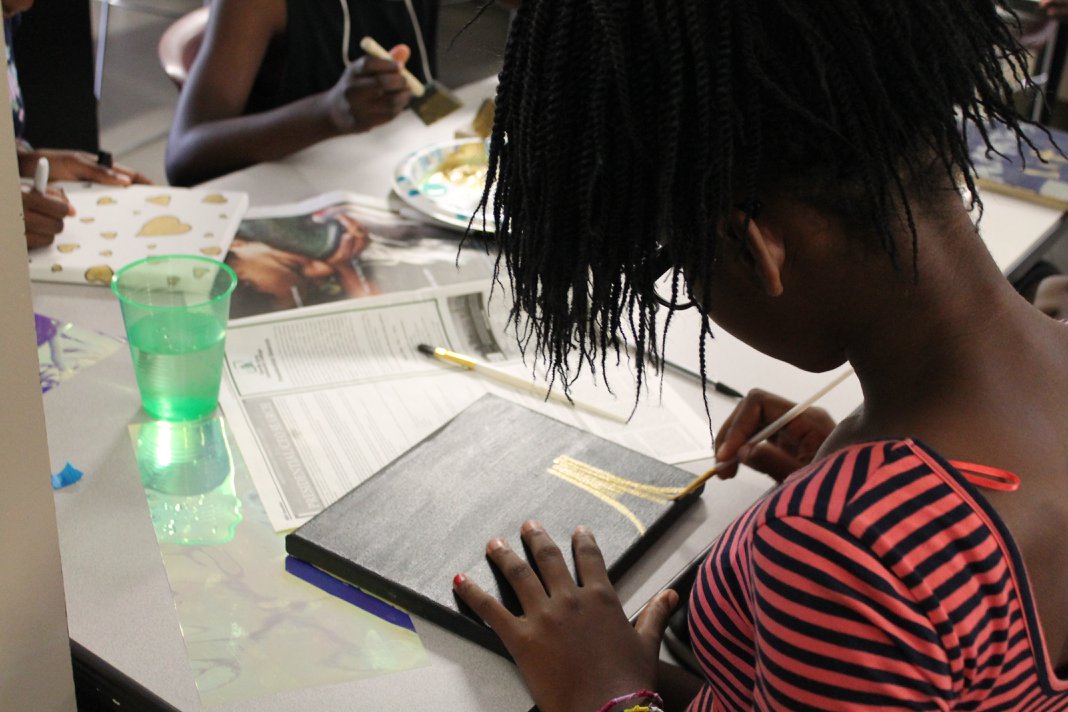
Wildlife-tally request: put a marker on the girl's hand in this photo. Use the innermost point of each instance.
(371, 92)
(782, 454)
(78, 165)
(43, 214)
(573, 644)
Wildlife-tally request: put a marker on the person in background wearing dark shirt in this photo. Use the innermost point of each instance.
(275, 76)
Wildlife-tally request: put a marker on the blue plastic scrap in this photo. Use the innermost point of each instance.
(67, 476)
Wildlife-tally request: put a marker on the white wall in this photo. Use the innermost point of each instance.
(35, 667)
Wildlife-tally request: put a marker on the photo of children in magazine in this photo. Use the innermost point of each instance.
(342, 246)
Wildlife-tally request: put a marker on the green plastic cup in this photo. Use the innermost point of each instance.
(175, 308)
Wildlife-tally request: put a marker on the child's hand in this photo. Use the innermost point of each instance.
(371, 92)
(784, 453)
(573, 644)
(78, 165)
(43, 214)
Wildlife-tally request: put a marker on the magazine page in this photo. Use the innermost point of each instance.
(340, 246)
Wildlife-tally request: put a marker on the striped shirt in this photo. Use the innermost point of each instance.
(876, 578)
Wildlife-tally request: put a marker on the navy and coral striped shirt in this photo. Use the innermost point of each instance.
(876, 578)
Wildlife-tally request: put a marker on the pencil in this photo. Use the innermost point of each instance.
(665, 365)
(718, 386)
(515, 381)
(770, 429)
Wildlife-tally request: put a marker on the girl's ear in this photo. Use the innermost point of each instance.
(765, 244)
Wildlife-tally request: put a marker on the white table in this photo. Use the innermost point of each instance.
(119, 603)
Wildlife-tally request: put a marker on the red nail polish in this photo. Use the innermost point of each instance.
(458, 580)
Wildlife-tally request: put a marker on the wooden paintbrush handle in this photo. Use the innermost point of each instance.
(374, 49)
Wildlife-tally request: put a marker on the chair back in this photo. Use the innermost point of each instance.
(180, 43)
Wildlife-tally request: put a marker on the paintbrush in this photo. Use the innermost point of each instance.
(431, 101)
(770, 429)
(511, 379)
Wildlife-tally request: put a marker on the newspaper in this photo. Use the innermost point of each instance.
(321, 397)
(339, 246)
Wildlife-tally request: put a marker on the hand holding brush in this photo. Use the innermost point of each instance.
(805, 429)
(370, 92)
(430, 102)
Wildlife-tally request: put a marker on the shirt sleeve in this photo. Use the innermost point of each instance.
(835, 628)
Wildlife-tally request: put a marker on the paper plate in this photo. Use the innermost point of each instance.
(444, 182)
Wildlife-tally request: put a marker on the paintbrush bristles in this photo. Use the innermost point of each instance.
(436, 103)
(430, 102)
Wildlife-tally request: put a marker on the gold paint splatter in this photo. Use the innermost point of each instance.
(106, 200)
(87, 219)
(199, 272)
(105, 253)
(159, 199)
(211, 251)
(214, 198)
(99, 274)
(68, 247)
(57, 268)
(163, 226)
(151, 247)
(109, 235)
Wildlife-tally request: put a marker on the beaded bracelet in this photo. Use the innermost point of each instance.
(639, 701)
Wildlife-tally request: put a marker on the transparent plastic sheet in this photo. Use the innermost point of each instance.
(63, 349)
(250, 627)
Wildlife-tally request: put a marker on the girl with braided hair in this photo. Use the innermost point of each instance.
(794, 169)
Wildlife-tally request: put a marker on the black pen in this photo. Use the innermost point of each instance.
(719, 386)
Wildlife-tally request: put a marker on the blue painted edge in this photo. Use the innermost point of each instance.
(348, 593)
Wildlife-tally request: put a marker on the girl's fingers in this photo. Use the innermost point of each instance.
(654, 617)
(555, 576)
(517, 572)
(772, 461)
(589, 561)
(488, 608)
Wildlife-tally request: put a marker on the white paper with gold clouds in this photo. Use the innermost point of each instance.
(116, 226)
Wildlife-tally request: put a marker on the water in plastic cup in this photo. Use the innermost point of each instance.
(175, 308)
